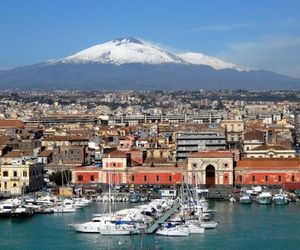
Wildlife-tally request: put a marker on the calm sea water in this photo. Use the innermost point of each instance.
(240, 227)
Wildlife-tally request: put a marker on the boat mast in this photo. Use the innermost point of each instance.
(109, 190)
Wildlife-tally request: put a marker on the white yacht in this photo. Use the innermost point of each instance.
(265, 198)
(124, 229)
(194, 227)
(93, 226)
(209, 224)
(173, 230)
(66, 207)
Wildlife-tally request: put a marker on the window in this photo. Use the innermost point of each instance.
(157, 177)
(80, 178)
(145, 177)
(132, 178)
(170, 178)
(279, 178)
(241, 178)
(194, 165)
(14, 185)
(5, 185)
(15, 173)
(293, 178)
(24, 173)
(253, 178)
(92, 178)
(5, 173)
(266, 178)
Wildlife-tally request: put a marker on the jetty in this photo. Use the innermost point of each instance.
(167, 214)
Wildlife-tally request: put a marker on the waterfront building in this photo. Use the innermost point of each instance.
(268, 171)
(87, 175)
(157, 175)
(19, 178)
(114, 165)
(211, 167)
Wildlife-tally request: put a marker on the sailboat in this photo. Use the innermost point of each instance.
(179, 228)
(118, 227)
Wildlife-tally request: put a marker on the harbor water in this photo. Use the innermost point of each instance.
(240, 227)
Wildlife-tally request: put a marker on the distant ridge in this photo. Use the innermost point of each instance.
(130, 63)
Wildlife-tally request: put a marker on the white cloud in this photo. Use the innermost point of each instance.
(275, 53)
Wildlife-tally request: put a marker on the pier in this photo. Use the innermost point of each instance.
(163, 218)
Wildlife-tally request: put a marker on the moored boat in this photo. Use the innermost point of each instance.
(245, 199)
(22, 212)
(265, 198)
(280, 199)
(173, 230)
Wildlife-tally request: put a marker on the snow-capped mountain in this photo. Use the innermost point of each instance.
(216, 63)
(129, 63)
(123, 51)
(131, 50)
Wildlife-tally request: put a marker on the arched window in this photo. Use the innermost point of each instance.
(5, 173)
(14, 185)
(80, 178)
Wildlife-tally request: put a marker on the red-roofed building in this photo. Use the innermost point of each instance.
(11, 124)
(87, 175)
(155, 175)
(264, 171)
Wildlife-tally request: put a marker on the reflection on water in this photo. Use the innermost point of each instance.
(240, 227)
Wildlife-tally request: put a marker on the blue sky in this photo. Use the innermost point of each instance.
(258, 33)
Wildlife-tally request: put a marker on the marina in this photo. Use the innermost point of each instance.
(277, 226)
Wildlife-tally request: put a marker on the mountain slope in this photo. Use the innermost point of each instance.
(122, 51)
(131, 64)
(216, 63)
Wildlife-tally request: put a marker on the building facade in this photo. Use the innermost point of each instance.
(196, 142)
(211, 168)
(19, 178)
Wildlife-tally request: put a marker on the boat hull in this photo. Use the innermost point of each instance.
(265, 201)
(280, 202)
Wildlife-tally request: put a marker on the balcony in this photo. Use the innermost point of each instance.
(14, 178)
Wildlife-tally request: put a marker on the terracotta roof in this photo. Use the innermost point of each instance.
(268, 147)
(254, 135)
(17, 154)
(66, 138)
(211, 154)
(45, 153)
(11, 124)
(115, 154)
(267, 163)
